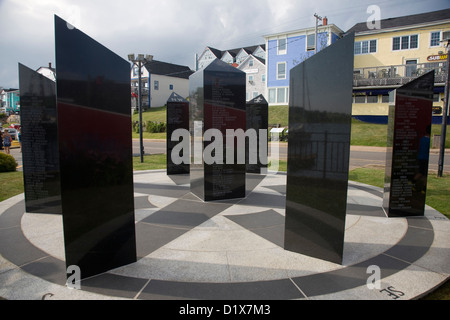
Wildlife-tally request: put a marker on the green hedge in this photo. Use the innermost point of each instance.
(155, 127)
(7, 163)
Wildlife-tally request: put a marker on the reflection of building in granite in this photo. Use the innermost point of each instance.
(251, 60)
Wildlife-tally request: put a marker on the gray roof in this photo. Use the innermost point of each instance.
(405, 21)
(168, 69)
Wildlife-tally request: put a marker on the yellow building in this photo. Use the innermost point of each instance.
(402, 49)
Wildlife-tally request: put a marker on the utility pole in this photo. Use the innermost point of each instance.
(444, 116)
(139, 62)
(315, 36)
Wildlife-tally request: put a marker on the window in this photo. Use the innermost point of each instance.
(396, 43)
(250, 78)
(263, 78)
(435, 37)
(281, 70)
(272, 95)
(282, 46)
(255, 94)
(310, 42)
(364, 47)
(281, 98)
(405, 42)
(250, 63)
(278, 95)
(360, 99)
(372, 99)
(156, 85)
(170, 86)
(385, 98)
(436, 97)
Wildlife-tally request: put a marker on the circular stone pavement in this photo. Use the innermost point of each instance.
(230, 250)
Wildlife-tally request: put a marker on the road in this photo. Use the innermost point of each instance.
(359, 156)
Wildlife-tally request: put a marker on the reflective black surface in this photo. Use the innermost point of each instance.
(217, 101)
(408, 147)
(318, 153)
(177, 118)
(39, 136)
(257, 119)
(94, 127)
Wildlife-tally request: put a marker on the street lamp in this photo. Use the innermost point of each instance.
(139, 62)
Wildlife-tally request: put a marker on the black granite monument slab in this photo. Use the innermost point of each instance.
(408, 147)
(217, 104)
(320, 106)
(39, 136)
(95, 145)
(258, 120)
(177, 118)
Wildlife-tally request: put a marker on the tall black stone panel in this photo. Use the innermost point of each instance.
(217, 104)
(408, 147)
(320, 106)
(177, 124)
(39, 135)
(257, 115)
(94, 128)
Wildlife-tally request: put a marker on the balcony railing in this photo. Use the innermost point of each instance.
(398, 74)
(144, 91)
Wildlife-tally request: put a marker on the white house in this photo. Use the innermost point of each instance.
(48, 72)
(159, 80)
(255, 69)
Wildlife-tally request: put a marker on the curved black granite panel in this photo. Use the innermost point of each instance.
(320, 106)
(177, 118)
(408, 147)
(94, 128)
(217, 101)
(39, 132)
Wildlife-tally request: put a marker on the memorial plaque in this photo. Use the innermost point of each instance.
(177, 118)
(217, 111)
(320, 106)
(408, 147)
(94, 127)
(258, 120)
(39, 135)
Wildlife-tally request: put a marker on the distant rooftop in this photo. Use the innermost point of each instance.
(404, 21)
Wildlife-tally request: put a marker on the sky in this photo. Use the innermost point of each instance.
(172, 30)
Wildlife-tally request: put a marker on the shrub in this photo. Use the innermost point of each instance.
(7, 163)
(156, 127)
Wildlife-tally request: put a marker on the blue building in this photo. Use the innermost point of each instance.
(288, 49)
(10, 101)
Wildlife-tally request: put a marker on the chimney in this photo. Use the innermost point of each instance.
(49, 65)
(324, 21)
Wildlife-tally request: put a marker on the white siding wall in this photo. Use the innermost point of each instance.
(256, 86)
(159, 97)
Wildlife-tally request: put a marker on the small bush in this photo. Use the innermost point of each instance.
(7, 163)
(155, 127)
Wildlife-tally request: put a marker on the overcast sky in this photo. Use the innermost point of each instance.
(172, 30)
